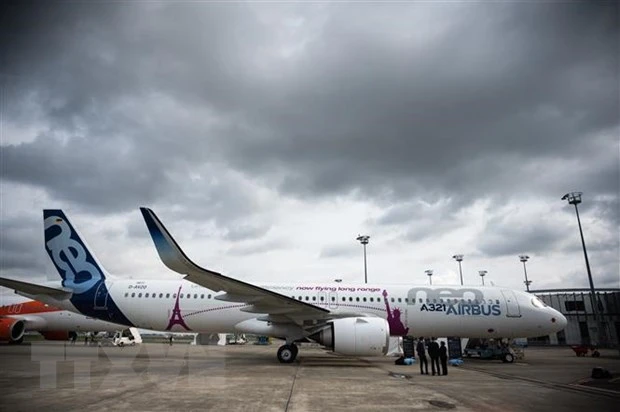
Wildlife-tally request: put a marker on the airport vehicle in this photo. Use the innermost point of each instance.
(346, 318)
(52, 322)
(504, 353)
(126, 337)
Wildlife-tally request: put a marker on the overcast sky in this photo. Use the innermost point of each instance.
(267, 136)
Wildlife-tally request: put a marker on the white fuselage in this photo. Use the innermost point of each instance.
(465, 311)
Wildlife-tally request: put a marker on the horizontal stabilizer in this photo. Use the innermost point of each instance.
(34, 289)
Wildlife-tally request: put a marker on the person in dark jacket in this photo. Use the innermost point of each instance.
(443, 356)
(422, 356)
(433, 352)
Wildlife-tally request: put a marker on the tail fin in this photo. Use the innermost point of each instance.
(77, 266)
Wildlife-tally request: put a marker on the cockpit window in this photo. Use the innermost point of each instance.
(538, 303)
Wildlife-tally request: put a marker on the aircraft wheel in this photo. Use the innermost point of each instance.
(286, 353)
(508, 358)
(295, 350)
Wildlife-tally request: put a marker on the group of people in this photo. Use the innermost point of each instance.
(436, 353)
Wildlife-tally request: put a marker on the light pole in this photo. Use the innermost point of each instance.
(459, 258)
(524, 258)
(482, 274)
(429, 273)
(574, 198)
(363, 239)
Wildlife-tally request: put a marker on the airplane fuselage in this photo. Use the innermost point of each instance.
(466, 311)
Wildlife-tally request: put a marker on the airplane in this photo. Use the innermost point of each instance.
(350, 319)
(51, 322)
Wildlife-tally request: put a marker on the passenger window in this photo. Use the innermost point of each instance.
(181, 296)
(306, 297)
(161, 295)
(167, 295)
(300, 298)
(357, 299)
(333, 299)
(372, 299)
(392, 300)
(126, 294)
(139, 295)
(146, 295)
(322, 298)
(406, 300)
(195, 296)
(154, 295)
(364, 299)
(421, 300)
(350, 299)
(174, 295)
(497, 302)
(344, 299)
(399, 300)
(313, 298)
(202, 296)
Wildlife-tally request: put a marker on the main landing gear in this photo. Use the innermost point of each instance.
(287, 353)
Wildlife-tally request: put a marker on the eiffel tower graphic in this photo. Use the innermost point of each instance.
(176, 318)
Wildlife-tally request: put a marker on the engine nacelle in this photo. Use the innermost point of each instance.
(355, 336)
(12, 330)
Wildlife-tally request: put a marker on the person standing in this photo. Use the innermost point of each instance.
(422, 356)
(443, 356)
(433, 352)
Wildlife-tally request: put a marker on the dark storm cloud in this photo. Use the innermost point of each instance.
(198, 104)
(512, 238)
(359, 108)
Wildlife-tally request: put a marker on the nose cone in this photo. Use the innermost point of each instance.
(558, 320)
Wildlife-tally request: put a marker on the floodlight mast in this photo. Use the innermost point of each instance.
(574, 198)
(459, 258)
(524, 258)
(482, 274)
(364, 239)
(429, 273)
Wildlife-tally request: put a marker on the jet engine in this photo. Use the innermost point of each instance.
(12, 330)
(355, 336)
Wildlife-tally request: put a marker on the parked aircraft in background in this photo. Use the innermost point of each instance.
(348, 319)
(51, 322)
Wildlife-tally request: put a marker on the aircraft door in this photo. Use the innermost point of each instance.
(512, 304)
(101, 297)
(333, 300)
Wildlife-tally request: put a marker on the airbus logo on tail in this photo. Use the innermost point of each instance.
(69, 256)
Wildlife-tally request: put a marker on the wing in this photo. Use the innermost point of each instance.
(33, 289)
(259, 300)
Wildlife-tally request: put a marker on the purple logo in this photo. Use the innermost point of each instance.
(397, 328)
(176, 318)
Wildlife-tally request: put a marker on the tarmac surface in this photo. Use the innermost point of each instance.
(158, 377)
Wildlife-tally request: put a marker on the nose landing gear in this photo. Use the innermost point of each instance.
(287, 353)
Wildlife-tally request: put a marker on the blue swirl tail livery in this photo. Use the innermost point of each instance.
(79, 269)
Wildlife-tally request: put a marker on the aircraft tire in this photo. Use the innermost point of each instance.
(286, 354)
(508, 358)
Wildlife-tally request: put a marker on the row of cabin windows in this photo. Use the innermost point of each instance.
(167, 295)
(399, 300)
(321, 298)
